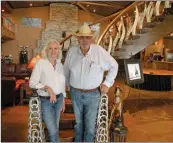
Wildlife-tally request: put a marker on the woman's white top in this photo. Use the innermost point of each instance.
(45, 74)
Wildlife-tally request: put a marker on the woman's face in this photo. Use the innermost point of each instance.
(53, 50)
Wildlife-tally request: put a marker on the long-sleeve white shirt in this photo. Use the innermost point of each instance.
(45, 74)
(86, 72)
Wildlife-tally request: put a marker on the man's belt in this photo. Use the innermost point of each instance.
(86, 90)
(48, 97)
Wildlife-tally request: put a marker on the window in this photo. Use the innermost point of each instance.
(31, 22)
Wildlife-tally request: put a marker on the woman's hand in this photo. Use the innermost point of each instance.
(52, 95)
(63, 106)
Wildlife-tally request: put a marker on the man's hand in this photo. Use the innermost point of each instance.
(104, 89)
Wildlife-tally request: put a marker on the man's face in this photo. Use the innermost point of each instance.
(85, 42)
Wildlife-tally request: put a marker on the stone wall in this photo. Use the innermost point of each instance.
(63, 18)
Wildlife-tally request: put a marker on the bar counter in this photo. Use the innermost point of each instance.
(156, 80)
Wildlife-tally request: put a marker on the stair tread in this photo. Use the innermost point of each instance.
(68, 101)
(66, 133)
(67, 116)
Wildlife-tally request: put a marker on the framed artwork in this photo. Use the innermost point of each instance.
(133, 71)
(31, 22)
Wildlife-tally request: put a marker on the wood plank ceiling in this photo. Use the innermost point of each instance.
(103, 8)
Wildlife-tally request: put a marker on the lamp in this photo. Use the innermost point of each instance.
(33, 61)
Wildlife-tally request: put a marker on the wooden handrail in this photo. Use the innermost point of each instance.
(117, 18)
(102, 4)
(7, 19)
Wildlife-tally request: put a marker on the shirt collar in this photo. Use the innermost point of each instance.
(57, 61)
(88, 53)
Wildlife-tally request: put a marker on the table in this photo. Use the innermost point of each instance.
(25, 90)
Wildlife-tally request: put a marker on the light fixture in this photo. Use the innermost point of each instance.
(30, 4)
(110, 30)
(88, 5)
(33, 61)
(2, 10)
(94, 10)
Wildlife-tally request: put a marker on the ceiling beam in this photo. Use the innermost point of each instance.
(73, 2)
(82, 7)
(6, 7)
(101, 4)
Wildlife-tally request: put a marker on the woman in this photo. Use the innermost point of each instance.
(48, 78)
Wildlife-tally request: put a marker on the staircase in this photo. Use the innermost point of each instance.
(152, 35)
(67, 122)
(151, 32)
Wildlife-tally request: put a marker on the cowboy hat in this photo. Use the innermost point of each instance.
(84, 30)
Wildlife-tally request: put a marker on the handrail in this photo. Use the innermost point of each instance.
(10, 26)
(97, 21)
(117, 17)
(7, 19)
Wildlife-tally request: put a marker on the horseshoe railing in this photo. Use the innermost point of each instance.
(102, 120)
(35, 127)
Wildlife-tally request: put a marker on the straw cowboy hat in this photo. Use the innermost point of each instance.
(84, 30)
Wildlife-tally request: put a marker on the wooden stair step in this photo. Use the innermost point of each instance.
(150, 25)
(128, 42)
(67, 135)
(134, 37)
(67, 121)
(67, 116)
(141, 31)
(69, 106)
(68, 101)
(159, 18)
(168, 11)
(145, 29)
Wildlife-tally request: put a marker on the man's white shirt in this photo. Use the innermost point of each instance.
(86, 72)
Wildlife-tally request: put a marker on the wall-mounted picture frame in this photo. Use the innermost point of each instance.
(133, 71)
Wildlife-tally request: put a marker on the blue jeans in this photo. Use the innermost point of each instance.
(51, 117)
(85, 107)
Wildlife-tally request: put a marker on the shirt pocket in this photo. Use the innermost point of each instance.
(95, 71)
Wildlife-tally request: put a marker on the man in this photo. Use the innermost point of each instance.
(84, 70)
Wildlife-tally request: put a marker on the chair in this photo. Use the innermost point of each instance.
(8, 91)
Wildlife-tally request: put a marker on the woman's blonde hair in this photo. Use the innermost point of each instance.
(46, 45)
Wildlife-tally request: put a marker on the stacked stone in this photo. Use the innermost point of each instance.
(63, 18)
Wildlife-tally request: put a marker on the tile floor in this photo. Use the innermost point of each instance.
(150, 120)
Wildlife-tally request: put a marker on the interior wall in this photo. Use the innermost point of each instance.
(25, 35)
(29, 35)
(156, 47)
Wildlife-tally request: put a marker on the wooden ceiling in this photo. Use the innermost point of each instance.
(104, 8)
